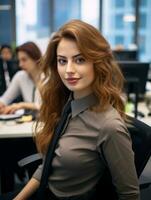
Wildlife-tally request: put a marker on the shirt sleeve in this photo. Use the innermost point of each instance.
(13, 90)
(38, 173)
(117, 149)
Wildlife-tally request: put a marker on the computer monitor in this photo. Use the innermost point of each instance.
(124, 55)
(135, 70)
(2, 78)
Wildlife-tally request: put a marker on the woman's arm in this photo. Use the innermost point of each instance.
(28, 190)
(2, 106)
(28, 105)
(13, 90)
(32, 185)
(16, 106)
(119, 157)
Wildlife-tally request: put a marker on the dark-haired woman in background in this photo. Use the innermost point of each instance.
(24, 82)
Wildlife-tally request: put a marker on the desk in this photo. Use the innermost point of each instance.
(12, 130)
(15, 143)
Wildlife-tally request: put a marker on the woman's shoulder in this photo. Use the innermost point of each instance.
(108, 124)
(21, 75)
(108, 119)
(112, 126)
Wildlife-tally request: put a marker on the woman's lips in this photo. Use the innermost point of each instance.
(72, 80)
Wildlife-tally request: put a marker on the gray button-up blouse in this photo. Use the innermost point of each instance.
(79, 164)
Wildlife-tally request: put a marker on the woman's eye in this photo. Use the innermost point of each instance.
(80, 60)
(23, 59)
(62, 61)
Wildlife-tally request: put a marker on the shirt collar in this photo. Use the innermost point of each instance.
(79, 105)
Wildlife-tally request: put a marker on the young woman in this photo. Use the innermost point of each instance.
(82, 67)
(24, 82)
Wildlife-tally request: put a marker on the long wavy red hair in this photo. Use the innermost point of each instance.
(107, 86)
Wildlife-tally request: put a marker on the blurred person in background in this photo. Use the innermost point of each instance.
(6, 55)
(25, 82)
(6, 52)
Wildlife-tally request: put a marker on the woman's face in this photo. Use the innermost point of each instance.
(75, 71)
(25, 62)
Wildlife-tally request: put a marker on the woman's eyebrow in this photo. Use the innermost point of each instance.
(61, 56)
(79, 54)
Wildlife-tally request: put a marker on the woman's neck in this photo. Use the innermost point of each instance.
(82, 93)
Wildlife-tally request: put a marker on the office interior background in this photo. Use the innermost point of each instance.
(124, 22)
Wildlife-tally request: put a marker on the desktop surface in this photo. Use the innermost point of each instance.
(9, 129)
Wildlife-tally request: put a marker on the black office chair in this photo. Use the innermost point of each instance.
(141, 144)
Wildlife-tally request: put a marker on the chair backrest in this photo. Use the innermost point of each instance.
(141, 144)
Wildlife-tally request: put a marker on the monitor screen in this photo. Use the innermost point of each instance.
(135, 70)
(124, 55)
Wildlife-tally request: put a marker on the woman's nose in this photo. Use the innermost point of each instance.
(70, 68)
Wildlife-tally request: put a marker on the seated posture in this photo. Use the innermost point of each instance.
(79, 67)
(25, 82)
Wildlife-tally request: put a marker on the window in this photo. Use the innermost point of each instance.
(119, 18)
(119, 23)
(37, 19)
(86, 10)
(142, 41)
(33, 22)
(119, 40)
(144, 33)
(64, 11)
(143, 20)
(143, 3)
(120, 3)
